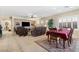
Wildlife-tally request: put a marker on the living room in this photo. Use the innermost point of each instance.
(27, 30)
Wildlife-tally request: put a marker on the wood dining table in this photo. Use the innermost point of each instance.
(62, 33)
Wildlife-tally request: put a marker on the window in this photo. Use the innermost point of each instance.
(60, 25)
(74, 24)
(64, 24)
(68, 22)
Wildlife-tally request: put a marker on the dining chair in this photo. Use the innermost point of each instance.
(52, 28)
(54, 39)
(70, 36)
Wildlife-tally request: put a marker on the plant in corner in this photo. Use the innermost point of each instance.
(50, 23)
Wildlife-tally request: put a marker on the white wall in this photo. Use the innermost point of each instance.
(20, 20)
(12, 22)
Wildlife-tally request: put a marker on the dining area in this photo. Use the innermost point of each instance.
(61, 36)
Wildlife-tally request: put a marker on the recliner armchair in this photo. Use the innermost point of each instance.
(38, 31)
(21, 31)
(0, 31)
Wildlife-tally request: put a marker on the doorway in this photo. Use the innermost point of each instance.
(6, 26)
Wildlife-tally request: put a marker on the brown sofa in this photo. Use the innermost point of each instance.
(37, 31)
(21, 31)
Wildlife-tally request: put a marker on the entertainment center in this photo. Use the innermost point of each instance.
(23, 29)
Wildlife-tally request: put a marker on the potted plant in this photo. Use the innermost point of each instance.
(50, 23)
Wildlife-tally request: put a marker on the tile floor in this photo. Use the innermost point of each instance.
(10, 42)
(13, 43)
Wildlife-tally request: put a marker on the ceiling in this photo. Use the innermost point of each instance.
(34, 10)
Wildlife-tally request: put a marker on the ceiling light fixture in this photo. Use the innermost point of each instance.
(68, 6)
(54, 8)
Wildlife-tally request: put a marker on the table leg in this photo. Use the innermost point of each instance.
(63, 43)
(48, 38)
(56, 44)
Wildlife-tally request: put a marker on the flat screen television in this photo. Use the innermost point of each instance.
(26, 24)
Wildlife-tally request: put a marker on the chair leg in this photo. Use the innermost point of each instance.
(56, 44)
(68, 43)
(59, 40)
(49, 40)
(63, 43)
(70, 40)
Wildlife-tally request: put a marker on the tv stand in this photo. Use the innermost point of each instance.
(28, 28)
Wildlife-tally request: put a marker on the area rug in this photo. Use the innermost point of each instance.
(52, 48)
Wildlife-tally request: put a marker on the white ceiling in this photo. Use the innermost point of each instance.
(34, 10)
